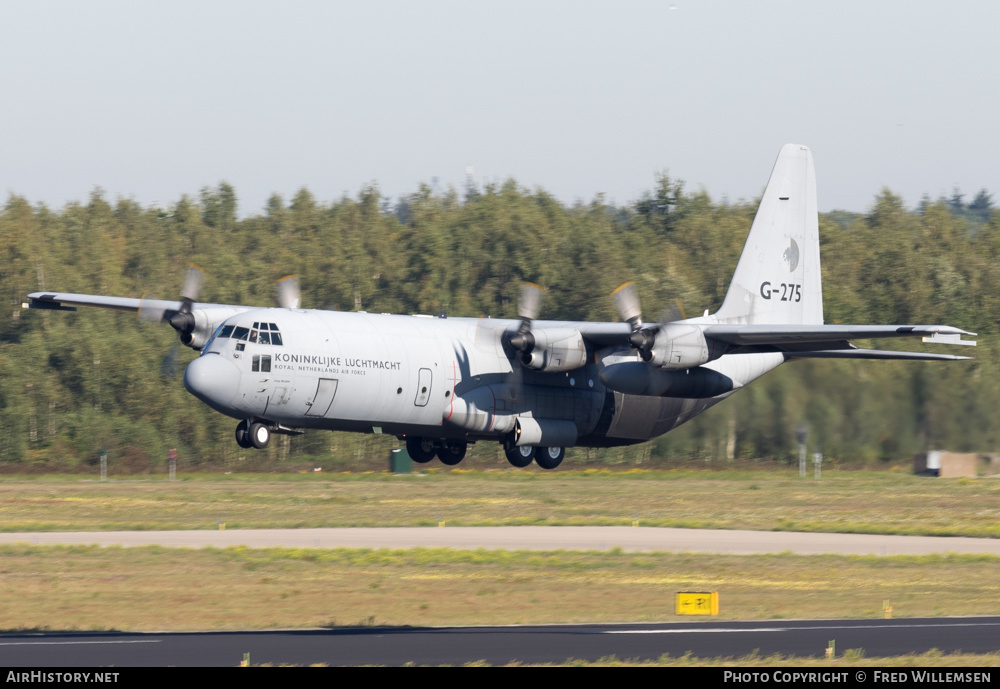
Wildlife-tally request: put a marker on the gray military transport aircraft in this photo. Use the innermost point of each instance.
(537, 387)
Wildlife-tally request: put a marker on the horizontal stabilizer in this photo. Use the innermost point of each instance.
(741, 335)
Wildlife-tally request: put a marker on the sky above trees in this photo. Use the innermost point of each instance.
(154, 100)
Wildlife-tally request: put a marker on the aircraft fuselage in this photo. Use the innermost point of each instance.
(425, 376)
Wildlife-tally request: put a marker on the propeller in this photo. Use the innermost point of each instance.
(168, 367)
(643, 337)
(527, 308)
(183, 321)
(289, 293)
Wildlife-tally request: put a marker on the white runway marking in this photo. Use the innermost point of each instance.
(78, 643)
(695, 631)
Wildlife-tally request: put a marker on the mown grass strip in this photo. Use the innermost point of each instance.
(157, 588)
(847, 502)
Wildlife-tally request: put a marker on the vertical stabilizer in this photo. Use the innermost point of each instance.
(778, 278)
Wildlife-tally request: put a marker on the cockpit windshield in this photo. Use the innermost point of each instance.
(259, 333)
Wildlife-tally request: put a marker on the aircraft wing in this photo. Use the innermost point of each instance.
(601, 334)
(63, 301)
(804, 341)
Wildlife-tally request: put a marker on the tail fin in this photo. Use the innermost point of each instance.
(778, 278)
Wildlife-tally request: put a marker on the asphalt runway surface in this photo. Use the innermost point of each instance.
(629, 539)
(515, 644)
(499, 645)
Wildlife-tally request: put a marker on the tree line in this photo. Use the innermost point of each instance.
(72, 384)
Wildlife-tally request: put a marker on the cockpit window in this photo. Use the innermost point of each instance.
(212, 339)
(260, 333)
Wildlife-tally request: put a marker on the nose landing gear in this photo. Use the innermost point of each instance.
(252, 434)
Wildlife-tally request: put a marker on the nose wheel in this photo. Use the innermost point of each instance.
(252, 434)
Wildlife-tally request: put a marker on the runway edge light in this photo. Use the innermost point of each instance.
(697, 603)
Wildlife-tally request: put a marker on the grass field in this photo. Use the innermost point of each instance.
(855, 502)
(155, 588)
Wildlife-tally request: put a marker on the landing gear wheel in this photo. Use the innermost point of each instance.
(549, 457)
(260, 435)
(421, 450)
(520, 456)
(242, 435)
(452, 453)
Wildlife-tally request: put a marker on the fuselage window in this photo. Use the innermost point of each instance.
(261, 363)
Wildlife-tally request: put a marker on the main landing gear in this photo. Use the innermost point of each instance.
(545, 457)
(423, 450)
(252, 434)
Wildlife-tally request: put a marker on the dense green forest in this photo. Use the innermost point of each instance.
(74, 383)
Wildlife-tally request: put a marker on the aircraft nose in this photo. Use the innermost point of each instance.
(214, 380)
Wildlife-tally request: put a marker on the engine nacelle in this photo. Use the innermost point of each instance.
(206, 322)
(679, 346)
(555, 350)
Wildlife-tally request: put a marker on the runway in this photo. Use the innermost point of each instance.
(629, 539)
(500, 645)
(503, 645)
